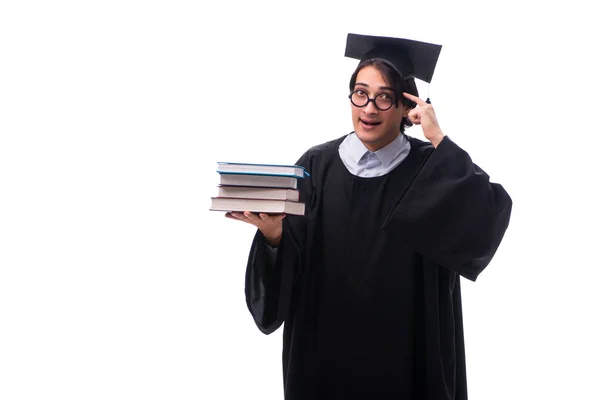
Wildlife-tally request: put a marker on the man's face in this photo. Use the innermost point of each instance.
(375, 128)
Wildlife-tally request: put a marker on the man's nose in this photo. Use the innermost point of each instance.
(370, 108)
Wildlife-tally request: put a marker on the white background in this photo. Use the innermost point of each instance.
(116, 282)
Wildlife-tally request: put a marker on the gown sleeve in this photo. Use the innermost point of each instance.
(452, 214)
(272, 273)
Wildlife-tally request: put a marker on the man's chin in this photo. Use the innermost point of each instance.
(374, 140)
(368, 137)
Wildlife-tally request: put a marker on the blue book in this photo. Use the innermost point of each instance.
(261, 169)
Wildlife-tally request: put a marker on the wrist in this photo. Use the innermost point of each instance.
(273, 241)
(437, 139)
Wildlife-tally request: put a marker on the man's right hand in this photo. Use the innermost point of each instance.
(271, 226)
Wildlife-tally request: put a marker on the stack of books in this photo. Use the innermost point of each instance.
(258, 188)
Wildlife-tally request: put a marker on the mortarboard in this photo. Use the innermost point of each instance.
(410, 58)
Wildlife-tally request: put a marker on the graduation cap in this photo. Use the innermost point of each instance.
(410, 58)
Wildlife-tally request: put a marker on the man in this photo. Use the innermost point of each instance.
(367, 282)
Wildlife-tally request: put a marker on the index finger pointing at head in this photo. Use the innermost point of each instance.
(414, 98)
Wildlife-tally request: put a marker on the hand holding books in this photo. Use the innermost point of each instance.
(260, 195)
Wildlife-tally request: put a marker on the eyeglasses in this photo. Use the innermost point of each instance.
(383, 101)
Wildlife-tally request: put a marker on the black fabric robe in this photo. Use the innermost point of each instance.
(367, 282)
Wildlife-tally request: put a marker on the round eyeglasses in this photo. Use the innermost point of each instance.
(383, 101)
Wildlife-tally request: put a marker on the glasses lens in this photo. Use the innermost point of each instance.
(384, 101)
(359, 98)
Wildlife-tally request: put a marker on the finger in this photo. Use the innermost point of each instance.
(415, 99)
(247, 217)
(237, 216)
(414, 117)
(252, 217)
(275, 217)
(279, 217)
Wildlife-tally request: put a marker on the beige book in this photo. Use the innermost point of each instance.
(257, 205)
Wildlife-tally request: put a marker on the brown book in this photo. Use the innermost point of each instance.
(246, 192)
(257, 205)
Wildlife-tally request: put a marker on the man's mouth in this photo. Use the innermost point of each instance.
(370, 123)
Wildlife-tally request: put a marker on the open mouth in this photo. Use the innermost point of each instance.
(369, 123)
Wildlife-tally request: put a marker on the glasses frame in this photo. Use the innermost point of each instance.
(372, 99)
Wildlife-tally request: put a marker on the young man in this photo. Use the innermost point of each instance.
(367, 282)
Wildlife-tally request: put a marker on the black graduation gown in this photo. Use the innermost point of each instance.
(367, 282)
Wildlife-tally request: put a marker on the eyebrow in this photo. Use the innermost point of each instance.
(380, 87)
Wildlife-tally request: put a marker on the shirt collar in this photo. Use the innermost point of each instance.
(386, 154)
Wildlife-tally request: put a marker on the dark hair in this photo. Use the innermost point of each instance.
(393, 79)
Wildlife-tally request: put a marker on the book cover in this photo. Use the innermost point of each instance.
(277, 181)
(262, 169)
(245, 192)
(257, 205)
